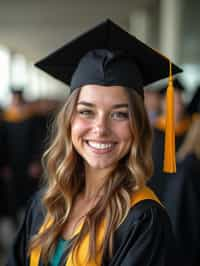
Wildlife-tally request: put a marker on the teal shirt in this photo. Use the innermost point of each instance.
(61, 247)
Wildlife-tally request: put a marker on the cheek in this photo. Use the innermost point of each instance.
(124, 132)
(78, 127)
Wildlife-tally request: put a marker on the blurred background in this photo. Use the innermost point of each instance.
(30, 30)
(33, 29)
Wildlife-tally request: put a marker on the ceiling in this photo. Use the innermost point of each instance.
(35, 28)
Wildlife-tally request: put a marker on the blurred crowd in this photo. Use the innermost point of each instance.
(24, 135)
(179, 192)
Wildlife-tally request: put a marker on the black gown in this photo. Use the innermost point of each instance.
(144, 239)
(22, 151)
(182, 200)
(5, 184)
(159, 179)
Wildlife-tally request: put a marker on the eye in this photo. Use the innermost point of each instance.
(119, 115)
(85, 112)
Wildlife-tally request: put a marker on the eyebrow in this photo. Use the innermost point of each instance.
(121, 105)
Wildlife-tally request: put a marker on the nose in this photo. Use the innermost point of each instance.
(101, 126)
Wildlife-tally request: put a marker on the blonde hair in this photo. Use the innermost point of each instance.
(191, 142)
(64, 166)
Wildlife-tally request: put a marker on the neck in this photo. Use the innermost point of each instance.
(94, 181)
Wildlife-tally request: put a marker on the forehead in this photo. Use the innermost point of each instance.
(103, 94)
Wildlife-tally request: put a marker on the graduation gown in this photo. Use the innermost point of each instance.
(145, 238)
(5, 183)
(21, 145)
(182, 200)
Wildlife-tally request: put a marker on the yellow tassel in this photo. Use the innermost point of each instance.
(169, 154)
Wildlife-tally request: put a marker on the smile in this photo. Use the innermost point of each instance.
(100, 145)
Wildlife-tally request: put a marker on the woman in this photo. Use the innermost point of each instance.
(96, 209)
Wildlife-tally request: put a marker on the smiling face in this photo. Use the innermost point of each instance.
(100, 126)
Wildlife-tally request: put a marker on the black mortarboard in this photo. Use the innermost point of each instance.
(107, 55)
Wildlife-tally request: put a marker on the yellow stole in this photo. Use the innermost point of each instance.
(81, 254)
(180, 128)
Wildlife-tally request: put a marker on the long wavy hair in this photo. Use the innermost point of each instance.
(65, 180)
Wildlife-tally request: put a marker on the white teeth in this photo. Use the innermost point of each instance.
(100, 146)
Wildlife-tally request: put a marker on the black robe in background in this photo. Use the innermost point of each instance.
(5, 184)
(158, 181)
(144, 239)
(182, 200)
(21, 145)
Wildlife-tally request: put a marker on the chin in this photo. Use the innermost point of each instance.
(101, 166)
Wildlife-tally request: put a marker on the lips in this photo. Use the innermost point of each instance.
(100, 146)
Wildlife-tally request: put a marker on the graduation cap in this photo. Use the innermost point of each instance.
(107, 55)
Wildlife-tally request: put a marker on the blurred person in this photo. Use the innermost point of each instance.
(182, 119)
(20, 141)
(152, 100)
(17, 122)
(2, 165)
(193, 106)
(7, 218)
(182, 197)
(182, 124)
(96, 208)
(181, 116)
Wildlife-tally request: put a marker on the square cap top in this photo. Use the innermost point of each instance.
(107, 55)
